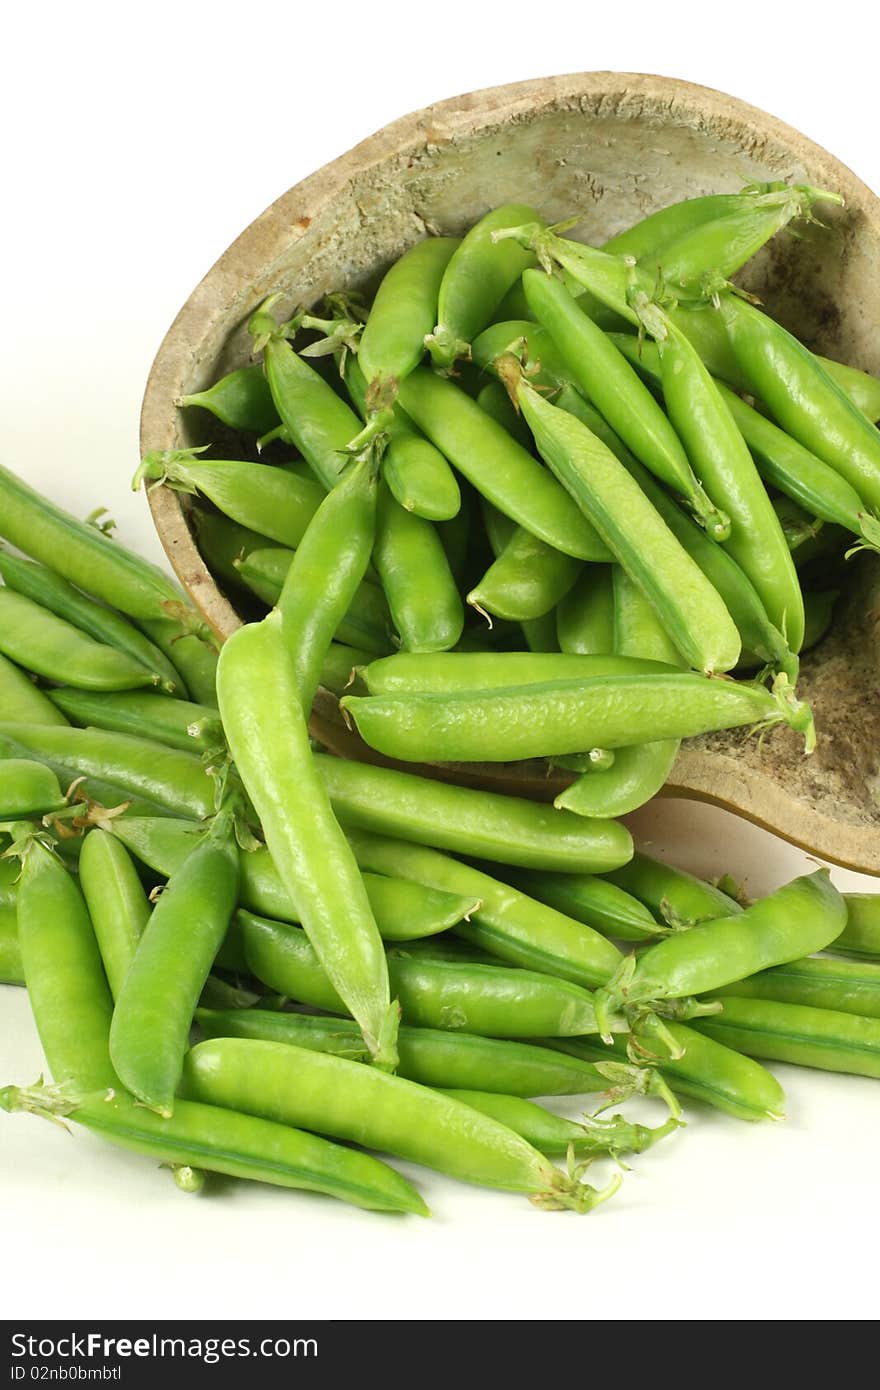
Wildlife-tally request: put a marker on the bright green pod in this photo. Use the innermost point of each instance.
(160, 989)
(495, 401)
(28, 789)
(674, 897)
(317, 421)
(475, 281)
(52, 591)
(557, 1137)
(423, 599)
(528, 578)
(21, 701)
(34, 638)
(861, 935)
(805, 1037)
(117, 903)
(687, 604)
(366, 622)
(404, 310)
(241, 399)
(408, 673)
(173, 723)
(11, 967)
(816, 982)
(592, 900)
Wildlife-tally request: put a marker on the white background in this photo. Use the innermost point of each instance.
(138, 142)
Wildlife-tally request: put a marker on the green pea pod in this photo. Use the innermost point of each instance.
(781, 461)
(241, 399)
(175, 781)
(722, 245)
(431, 1057)
(688, 605)
(803, 398)
(862, 388)
(161, 988)
(414, 469)
(557, 1137)
(861, 935)
(65, 979)
(806, 1037)
(404, 310)
(409, 674)
(739, 594)
(547, 366)
(326, 571)
(117, 903)
(504, 828)
(9, 874)
(526, 581)
(51, 591)
(28, 789)
(21, 701)
(402, 909)
(366, 622)
(606, 377)
(92, 561)
(723, 462)
(491, 1000)
(187, 640)
(638, 772)
(540, 633)
(798, 919)
(475, 281)
(707, 1071)
(423, 599)
(585, 615)
(270, 501)
(340, 666)
(297, 1086)
(11, 967)
(676, 898)
(846, 986)
(35, 638)
(224, 1141)
(648, 237)
(499, 468)
(268, 738)
(592, 900)
(507, 924)
(318, 422)
(174, 723)
(568, 716)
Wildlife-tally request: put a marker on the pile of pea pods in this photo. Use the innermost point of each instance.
(537, 500)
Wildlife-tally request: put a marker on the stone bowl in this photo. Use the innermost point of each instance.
(609, 147)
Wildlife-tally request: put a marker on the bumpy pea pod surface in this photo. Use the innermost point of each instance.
(567, 716)
(326, 572)
(402, 909)
(818, 982)
(499, 468)
(363, 1105)
(475, 281)
(509, 829)
(223, 1141)
(686, 603)
(160, 990)
(604, 375)
(174, 781)
(271, 501)
(803, 398)
(802, 917)
(404, 310)
(50, 590)
(708, 1071)
(175, 723)
(462, 1061)
(117, 903)
(491, 1000)
(65, 979)
(241, 399)
(36, 639)
(268, 738)
(806, 1037)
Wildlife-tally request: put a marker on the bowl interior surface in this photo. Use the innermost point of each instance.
(609, 148)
